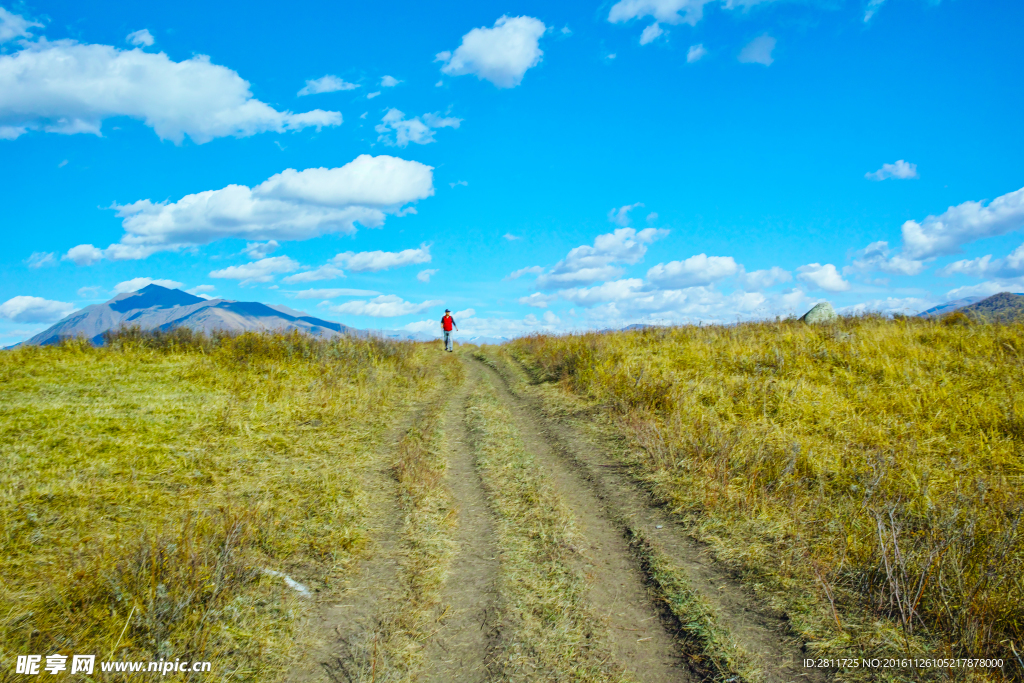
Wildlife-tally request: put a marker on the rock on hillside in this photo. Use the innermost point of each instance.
(158, 308)
(820, 313)
(998, 308)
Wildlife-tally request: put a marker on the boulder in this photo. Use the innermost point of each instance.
(820, 313)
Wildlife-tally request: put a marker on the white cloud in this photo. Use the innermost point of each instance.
(588, 264)
(457, 183)
(651, 33)
(758, 51)
(34, 309)
(384, 306)
(382, 182)
(501, 55)
(371, 95)
(620, 216)
(510, 237)
(84, 255)
(537, 300)
(141, 38)
(258, 250)
(901, 170)
(89, 292)
(263, 270)
(1011, 266)
(292, 205)
(398, 131)
(824, 277)
(977, 267)
(906, 306)
(529, 270)
(877, 256)
(135, 284)
(967, 222)
(15, 26)
(667, 11)
(695, 53)
(315, 275)
(696, 271)
(424, 275)
(372, 261)
(200, 290)
(983, 289)
(652, 217)
(688, 305)
(872, 7)
(616, 290)
(612, 56)
(758, 280)
(68, 87)
(324, 84)
(389, 82)
(333, 293)
(39, 259)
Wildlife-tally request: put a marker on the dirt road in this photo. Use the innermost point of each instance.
(555, 571)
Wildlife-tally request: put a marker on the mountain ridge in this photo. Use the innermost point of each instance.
(158, 308)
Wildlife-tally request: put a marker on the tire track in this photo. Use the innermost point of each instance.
(459, 651)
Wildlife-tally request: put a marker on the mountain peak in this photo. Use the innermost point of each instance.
(153, 296)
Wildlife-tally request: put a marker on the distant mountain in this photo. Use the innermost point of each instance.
(998, 308)
(949, 307)
(158, 308)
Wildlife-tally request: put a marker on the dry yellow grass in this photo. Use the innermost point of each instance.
(864, 476)
(148, 486)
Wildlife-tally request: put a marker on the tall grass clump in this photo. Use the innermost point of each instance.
(155, 492)
(862, 474)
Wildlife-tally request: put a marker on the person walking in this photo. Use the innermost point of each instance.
(447, 323)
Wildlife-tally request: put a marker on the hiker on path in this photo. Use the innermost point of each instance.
(447, 323)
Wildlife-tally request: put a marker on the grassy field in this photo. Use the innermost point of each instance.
(864, 477)
(184, 497)
(175, 497)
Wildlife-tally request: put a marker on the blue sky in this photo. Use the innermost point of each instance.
(532, 166)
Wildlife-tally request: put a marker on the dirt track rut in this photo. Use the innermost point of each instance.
(458, 651)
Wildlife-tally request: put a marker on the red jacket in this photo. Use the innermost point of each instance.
(447, 322)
